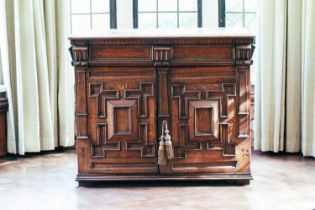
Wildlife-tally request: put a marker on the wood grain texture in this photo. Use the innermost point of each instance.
(128, 84)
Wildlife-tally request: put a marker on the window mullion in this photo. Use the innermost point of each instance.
(157, 13)
(90, 14)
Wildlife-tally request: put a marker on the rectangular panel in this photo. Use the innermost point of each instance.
(134, 168)
(122, 120)
(118, 52)
(204, 52)
(80, 103)
(244, 103)
(204, 121)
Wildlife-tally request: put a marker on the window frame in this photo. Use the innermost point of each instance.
(222, 13)
(112, 14)
(136, 12)
(221, 18)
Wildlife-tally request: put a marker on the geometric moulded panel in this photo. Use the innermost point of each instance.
(122, 120)
(204, 120)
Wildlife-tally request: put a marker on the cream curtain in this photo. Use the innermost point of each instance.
(37, 74)
(308, 78)
(284, 89)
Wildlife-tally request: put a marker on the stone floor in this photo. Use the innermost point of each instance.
(46, 182)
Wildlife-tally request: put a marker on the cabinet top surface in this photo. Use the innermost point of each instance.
(168, 33)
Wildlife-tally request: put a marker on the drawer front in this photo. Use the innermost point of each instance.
(204, 52)
(204, 55)
(134, 55)
(119, 54)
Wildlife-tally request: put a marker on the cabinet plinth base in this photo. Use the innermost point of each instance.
(92, 180)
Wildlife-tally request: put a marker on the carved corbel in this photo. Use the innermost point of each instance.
(244, 54)
(80, 55)
(161, 55)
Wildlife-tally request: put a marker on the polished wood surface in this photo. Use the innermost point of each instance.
(3, 124)
(127, 85)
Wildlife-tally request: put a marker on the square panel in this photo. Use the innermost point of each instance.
(204, 120)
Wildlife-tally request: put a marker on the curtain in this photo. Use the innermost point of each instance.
(308, 78)
(36, 72)
(284, 88)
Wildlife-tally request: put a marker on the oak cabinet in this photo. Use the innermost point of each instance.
(131, 85)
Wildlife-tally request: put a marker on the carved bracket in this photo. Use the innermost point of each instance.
(244, 54)
(161, 55)
(80, 55)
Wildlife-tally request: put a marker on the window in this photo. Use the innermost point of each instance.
(92, 15)
(238, 13)
(167, 13)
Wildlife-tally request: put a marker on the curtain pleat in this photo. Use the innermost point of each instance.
(293, 79)
(65, 77)
(308, 75)
(38, 75)
(270, 76)
(285, 78)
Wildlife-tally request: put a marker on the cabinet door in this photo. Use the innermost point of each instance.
(122, 120)
(203, 119)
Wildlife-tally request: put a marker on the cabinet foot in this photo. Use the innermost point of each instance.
(242, 182)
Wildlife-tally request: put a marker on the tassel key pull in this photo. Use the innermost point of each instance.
(168, 144)
(161, 153)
